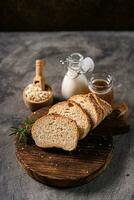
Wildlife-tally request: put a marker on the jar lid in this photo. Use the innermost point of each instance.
(79, 64)
(87, 65)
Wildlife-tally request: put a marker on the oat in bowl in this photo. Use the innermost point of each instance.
(38, 94)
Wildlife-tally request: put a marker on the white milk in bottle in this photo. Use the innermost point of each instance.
(75, 81)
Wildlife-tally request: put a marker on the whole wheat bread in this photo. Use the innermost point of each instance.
(55, 131)
(106, 107)
(75, 112)
(96, 108)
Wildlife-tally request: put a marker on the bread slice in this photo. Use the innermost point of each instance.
(91, 104)
(55, 131)
(75, 112)
(88, 103)
(106, 107)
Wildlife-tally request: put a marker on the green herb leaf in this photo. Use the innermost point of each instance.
(22, 131)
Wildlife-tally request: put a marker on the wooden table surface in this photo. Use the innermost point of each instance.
(112, 52)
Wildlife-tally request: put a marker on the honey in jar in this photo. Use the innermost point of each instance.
(102, 85)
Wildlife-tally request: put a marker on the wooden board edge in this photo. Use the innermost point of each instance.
(58, 183)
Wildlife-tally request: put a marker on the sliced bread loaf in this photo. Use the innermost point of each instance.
(106, 107)
(75, 112)
(91, 104)
(55, 131)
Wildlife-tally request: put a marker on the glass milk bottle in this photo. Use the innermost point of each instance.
(75, 81)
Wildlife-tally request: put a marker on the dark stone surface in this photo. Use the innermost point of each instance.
(33, 15)
(112, 52)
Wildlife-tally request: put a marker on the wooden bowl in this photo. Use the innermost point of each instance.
(37, 105)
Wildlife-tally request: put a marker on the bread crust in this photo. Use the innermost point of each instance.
(66, 108)
(70, 119)
(57, 118)
(107, 108)
(96, 108)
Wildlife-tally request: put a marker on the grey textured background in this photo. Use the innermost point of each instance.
(112, 52)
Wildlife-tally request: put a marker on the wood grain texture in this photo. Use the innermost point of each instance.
(59, 168)
(62, 169)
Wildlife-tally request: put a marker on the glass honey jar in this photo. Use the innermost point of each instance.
(101, 84)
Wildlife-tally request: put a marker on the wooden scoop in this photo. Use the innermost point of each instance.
(39, 79)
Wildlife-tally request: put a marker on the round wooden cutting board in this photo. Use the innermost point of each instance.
(59, 168)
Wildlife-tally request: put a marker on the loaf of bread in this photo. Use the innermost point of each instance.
(55, 131)
(96, 108)
(69, 121)
(105, 106)
(73, 111)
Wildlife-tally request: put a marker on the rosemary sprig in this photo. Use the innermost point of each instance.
(22, 132)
